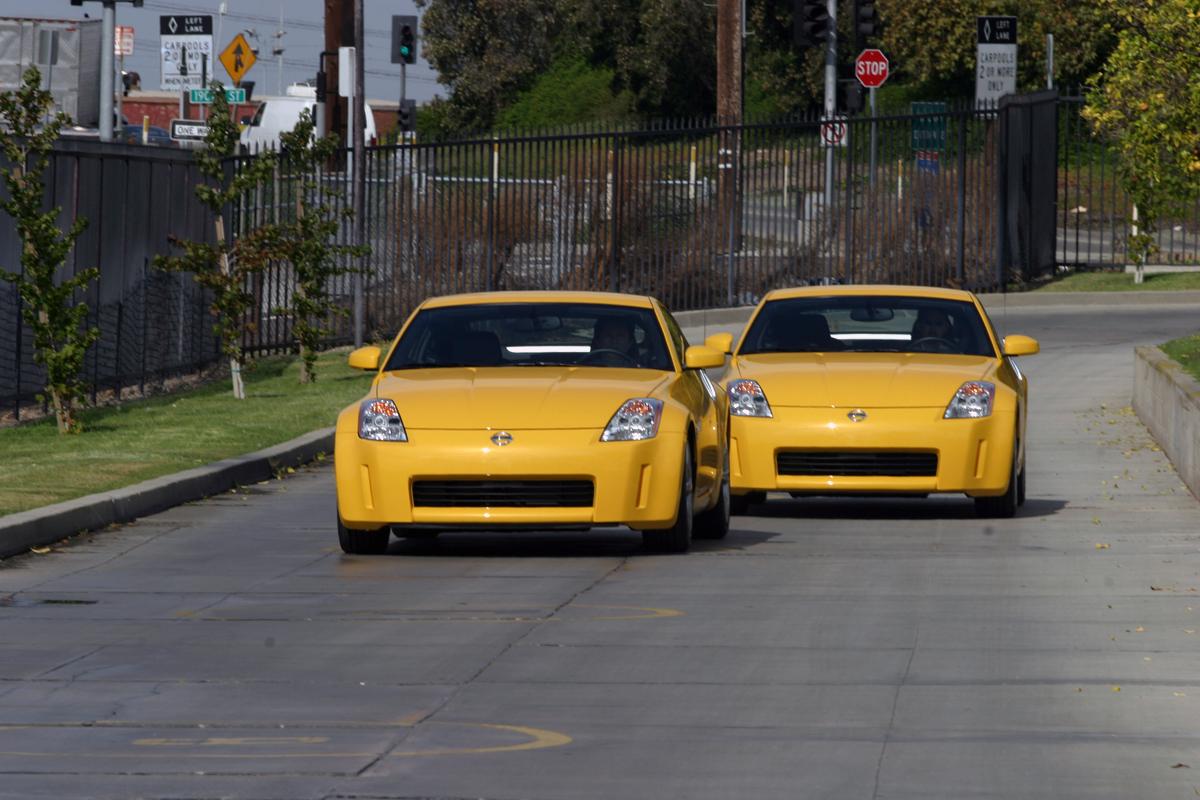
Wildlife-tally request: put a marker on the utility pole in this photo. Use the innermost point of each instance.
(358, 115)
(339, 32)
(729, 116)
(830, 113)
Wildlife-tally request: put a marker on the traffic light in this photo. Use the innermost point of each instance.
(406, 115)
(810, 22)
(866, 20)
(404, 39)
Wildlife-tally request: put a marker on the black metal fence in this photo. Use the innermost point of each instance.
(1094, 214)
(698, 214)
(153, 325)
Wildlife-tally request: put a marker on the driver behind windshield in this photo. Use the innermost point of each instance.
(933, 323)
(615, 335)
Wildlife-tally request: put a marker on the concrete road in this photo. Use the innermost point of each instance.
(827, 649)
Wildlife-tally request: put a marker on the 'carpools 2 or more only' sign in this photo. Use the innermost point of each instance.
(184, 41)
(995, 59)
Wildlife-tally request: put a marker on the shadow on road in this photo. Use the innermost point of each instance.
(882, 508)
(596, 543)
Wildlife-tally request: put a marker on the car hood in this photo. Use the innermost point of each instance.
(525, 398)
(874, 380)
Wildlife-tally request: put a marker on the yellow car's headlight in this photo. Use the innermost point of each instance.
(635, 420)
(747, 399)
(974, 399)
(379, 421)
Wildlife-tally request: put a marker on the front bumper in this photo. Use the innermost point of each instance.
(973, 455)
(635, 483)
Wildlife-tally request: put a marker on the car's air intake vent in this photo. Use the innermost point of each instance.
(856, 462)
(502, 494)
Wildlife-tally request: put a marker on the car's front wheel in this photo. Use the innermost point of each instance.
(678, 537)
(714, 523)
(362, 543)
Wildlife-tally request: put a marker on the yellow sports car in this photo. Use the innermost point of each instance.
(877, 389)
(535, 410)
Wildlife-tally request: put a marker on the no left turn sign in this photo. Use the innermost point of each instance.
(833, 132)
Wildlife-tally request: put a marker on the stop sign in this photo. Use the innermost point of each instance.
(871, 68)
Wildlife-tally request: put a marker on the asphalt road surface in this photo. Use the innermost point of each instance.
(826, 649)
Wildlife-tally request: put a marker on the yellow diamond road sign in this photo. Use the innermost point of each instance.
(238, 58)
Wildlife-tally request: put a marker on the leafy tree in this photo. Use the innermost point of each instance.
(1148, 102)
(305, 241)
(225, 266)
(486, 51)
(60, 336)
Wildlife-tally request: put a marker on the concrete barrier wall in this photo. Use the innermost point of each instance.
(1167, 400)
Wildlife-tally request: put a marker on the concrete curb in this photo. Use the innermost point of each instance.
(43, 526)
(718, 317)
(1167, 400)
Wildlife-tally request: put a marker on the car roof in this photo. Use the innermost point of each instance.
(547, 296)
(886, 290)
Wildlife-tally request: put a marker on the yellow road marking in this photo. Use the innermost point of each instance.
(231, 741)
(650, 612)
(539, 739)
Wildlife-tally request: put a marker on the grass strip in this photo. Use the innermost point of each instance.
(1186, 351)
(141, 439)
(1122, 282)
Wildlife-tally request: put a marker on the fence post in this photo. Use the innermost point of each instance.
(614, 216)
(962, 198)
(493, 176)
(692, 175)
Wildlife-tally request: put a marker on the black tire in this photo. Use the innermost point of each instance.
(739, 504)
(1021, 483)
(714, 523)
(1005, 505)
(678, 537)
(363, 543)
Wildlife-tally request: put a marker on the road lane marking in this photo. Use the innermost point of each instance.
(539, 739)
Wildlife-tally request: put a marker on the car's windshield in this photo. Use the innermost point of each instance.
(868, 323)
(533, 334)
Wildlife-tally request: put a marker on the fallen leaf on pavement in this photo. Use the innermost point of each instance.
(1100, 545)
(1180, 765)
(41, 551)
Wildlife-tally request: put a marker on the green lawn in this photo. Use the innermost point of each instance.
(142, 439)
(1121, 282)
(1186, 351)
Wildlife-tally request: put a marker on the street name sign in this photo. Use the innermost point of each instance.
(995, 59)
(871, 68)
(202, 97)
(928, 132)
(238, 58)
(188, 129)
(183, 39)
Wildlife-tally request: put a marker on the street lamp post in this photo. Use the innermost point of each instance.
(107, 45)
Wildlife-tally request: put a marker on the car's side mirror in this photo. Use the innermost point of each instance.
(721, 342)
(365, 358)
(1017, 345)
(703, 357)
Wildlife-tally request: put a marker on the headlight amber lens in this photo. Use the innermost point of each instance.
(635, 420)
(747, 399)
(973, 400)
(379, 421)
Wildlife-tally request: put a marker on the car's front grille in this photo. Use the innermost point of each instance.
(502, 493)
(890, 463)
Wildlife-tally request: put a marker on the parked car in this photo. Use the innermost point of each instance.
(132, 134)
(877, 389)
(535, 410)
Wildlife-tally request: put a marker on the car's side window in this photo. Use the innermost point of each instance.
(675, 334)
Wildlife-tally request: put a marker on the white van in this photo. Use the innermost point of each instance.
(277, 115)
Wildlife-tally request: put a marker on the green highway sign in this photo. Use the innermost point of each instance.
(204, 96)
(929, 132)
